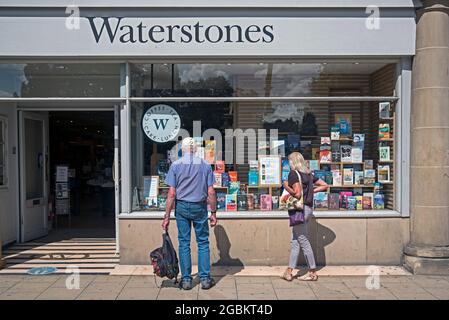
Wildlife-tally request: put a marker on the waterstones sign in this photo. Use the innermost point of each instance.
(49, 36)
(118, 30)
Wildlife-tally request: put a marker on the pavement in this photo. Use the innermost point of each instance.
(233, 287)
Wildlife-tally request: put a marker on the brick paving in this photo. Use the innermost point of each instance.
(96, 287)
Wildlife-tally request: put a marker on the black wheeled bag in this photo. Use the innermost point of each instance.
(165, 260)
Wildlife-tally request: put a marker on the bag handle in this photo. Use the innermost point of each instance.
(300, 183)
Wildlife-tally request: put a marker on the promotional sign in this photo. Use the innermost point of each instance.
(161, 123)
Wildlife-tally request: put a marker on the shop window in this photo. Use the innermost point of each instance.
(348, 144)
(3, 152)
(59, 80)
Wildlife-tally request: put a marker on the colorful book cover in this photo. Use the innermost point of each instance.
(359, 202)
(256, 198)
(335, 150)
(383, 173)
(265, 202)
(325, 141)
(348, 176)
(369, 164)
(328, 177)
(225, 179)
(335, 132)
(384, 131)
(219, 166)
(384, 110)
(334, 201)
(384, 153)
(336, 178)
(358, 177)
(218, 180)
(379, 201)
(234, 187)
(346, 153)
(221, 201)
(358, 140)
(253, 178)
(320, 174)
(344, 199)
(314, 165)
(325, 156)
(320, 200)
(356, 155)
(242, 202)
(369, 177)
(162, 202)
(231, 202)
(315, 153)
(250, 201)
(352, 203)
(209, 151)
(366, 203)
(285, 169)
(344, 121)
(275, 202)
(232, 175)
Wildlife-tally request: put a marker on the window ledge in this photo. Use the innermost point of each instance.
(273, 214)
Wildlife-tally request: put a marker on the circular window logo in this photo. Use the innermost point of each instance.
(161, 123)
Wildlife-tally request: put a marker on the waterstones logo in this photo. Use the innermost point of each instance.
(115, 29)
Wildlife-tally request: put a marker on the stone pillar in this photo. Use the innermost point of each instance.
(428, 250)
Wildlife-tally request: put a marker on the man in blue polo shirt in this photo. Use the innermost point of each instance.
(191, 181)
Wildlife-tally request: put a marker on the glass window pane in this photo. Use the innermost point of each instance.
(59, 80)
(34, 158)
(250, 80)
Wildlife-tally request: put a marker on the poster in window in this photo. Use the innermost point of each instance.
(150, 190)
(269, 171)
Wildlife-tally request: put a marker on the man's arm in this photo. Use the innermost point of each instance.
(171, 196)
(212, 199)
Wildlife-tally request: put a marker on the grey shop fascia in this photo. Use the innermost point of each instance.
(115, 29)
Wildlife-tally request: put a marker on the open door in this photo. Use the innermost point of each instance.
(34, 182)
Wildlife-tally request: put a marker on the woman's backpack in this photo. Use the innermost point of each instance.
(165, 260)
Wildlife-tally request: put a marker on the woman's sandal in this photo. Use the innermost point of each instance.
(287, 276)
(309, 277)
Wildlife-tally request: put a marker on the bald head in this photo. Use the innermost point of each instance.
(188, 145)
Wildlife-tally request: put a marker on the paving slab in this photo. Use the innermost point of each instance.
(59, 294)
(363, 293)
(218, 294)
(299, 293)
(138, 294)
(19, 295)
(439, 293)
(97, 296)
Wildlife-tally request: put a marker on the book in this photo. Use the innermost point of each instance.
(379, 201)
(225, 179)
(370, 195)
(348, 176)
(383, 174)
(250, 201)
(336, 178)
(346, 153)
(384, 131)
(314, 165)
(325, 150)
(218, 180)
(325, 141)
(209, 151)
(233, 175)
(335, 132)
(320, 174)
(256, 198)
(219, 166)
(384, 110)
(320, 200)
(352, 203)
(358, 140)
(162, 202)
(369, 164)
(285, 169)
(366, 203)
(359, 202)
(335, 150)
(221, 201)
(358, 177)
(231, 202)
(293, 142)
(334, 201)
(356, 155)
(275, 202)
(253, 178)
(384, 153)
(344, 199)
(254, 165)
(344, 121)
(315, 153)
(242, 204)
(265, 202)
(369, 177)
(234, 187)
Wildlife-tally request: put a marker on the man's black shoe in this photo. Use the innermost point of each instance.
(207, 283)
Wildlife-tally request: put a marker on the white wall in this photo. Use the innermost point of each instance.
(9, 196)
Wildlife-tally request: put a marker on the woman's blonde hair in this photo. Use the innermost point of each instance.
(297, 162)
